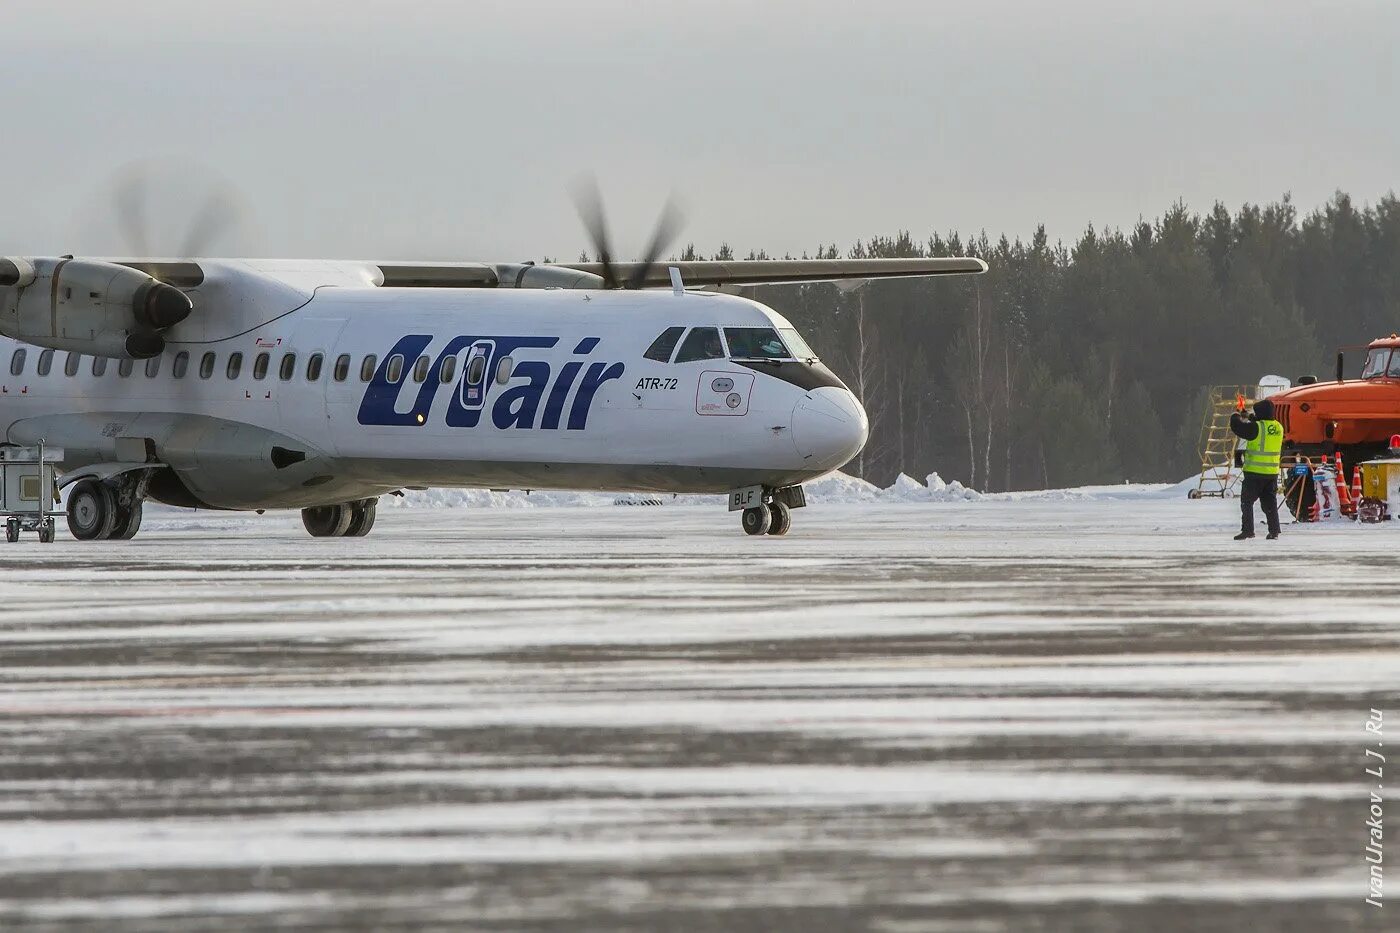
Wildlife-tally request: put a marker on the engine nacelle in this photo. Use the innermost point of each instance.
(87, 306)
(529, 275)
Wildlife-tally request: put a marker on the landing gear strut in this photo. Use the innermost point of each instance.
(344, 520)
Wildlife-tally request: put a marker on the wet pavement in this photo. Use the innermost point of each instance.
(1044, 714)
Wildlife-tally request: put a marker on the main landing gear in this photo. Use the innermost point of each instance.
(346, 520)
(106, 511)
(774, 515)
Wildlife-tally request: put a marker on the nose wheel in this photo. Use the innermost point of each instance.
(772, 518)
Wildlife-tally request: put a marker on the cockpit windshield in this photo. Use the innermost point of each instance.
(755, 343)
(1376, 362)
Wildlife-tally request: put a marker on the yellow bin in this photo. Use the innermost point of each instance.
(1380, 479)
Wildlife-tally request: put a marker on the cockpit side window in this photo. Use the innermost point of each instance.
(1376, 362)
(702, 343)
(796, 344)
(661, 347)
(755, 343)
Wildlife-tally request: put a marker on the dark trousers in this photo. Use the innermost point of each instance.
(1262, 489)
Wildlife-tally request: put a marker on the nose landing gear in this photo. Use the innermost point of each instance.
(774, 515)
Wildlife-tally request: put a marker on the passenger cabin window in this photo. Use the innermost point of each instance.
(368, 367)
(420, 369)
(394, 371)
(17, 362)
(260, 365)
(702, 343)
(180, 365)
(125, 367)
(504, 369)
(1376, 361)
(45, 363)
(288, 369)
(661, 348)
(755, 343)
(99, 365)
(206, 366)
(476, 369)
(70, 367)
(153, 367)
(342, 368)
(235, 365)
(449, 369)
(313, 367)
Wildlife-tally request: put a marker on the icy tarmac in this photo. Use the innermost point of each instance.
(1041, 713)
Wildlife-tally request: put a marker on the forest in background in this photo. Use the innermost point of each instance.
(1089, 363)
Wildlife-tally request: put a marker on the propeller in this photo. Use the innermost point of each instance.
(156, 196)
(590, 209)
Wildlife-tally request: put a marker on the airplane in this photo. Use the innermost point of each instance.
(322, 385)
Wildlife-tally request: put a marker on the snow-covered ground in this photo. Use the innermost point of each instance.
(924, 709)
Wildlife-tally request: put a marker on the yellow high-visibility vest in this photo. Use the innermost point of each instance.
(1262, 454)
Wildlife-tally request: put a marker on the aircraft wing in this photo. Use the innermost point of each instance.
(189, 274)
(781, 271)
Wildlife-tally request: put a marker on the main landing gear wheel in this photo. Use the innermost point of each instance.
(328, 521)
(780, 518)
(757, 520)
(128, 521)
(92, 511)
(362, 515)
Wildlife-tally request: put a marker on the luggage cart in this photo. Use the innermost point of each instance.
(28, 489)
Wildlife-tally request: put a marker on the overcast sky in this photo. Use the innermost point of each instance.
(443, 129)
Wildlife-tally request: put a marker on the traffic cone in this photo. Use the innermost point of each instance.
(1345, 502)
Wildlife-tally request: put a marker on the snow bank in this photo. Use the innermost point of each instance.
(835, 488)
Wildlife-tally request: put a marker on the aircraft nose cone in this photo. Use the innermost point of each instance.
(829, 427)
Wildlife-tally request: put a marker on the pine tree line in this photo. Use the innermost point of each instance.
(1066, 365)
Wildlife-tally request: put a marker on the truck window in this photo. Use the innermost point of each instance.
(1393, 370)
(702, 343)
(755, 343)
(1376, 362)
(661, 347)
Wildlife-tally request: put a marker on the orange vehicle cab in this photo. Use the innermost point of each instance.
(1353, 417)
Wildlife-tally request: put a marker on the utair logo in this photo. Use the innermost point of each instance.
(544, 400)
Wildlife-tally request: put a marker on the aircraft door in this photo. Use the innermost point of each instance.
(476, 375)
(305, 400)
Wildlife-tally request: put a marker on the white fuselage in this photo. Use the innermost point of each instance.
(365, 390)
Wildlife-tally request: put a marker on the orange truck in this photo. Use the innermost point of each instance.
(1353, 417)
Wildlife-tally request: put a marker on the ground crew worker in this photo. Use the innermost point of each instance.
(1262, 451)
